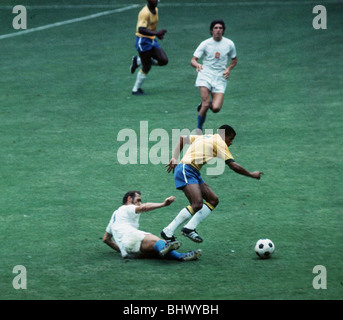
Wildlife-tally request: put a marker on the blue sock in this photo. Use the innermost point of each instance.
(201, 121)
(174, 255)
(159, 245)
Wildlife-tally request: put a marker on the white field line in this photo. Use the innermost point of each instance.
(164, 4)
(64, 6)
(58, 24)
(104, 13)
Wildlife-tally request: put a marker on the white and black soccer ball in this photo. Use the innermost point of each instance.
(264, 248)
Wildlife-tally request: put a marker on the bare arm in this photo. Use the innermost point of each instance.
(159, 34)
(241, 170)
(110, 242)
(230, 67)
(144, 207)
(173, 161)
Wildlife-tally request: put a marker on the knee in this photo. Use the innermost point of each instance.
(214, 201)
(216, 107)
(163, 62)
(206, 104)
(196, 206)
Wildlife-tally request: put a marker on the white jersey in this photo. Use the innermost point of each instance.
(124, 217)
(123, 226)
(216, 55)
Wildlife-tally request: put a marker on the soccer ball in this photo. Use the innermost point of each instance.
(264, 248)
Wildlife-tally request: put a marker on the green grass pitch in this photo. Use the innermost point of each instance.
(65, 93)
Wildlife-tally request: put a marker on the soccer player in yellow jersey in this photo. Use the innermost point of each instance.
(187, 178)
(149, 50)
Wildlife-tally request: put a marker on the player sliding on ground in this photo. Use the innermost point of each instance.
(187, 177)
(134, 243)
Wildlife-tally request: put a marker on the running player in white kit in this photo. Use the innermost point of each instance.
(213, 72)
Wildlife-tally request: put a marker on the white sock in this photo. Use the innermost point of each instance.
(183, 216)
(198, 217)
(139, 80)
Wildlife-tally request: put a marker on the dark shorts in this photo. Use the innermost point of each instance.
(146, 44)
(186, 174)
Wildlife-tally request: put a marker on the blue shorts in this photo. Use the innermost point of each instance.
(186, 174)
(146, 44)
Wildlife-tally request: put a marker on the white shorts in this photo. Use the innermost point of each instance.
(212, 82)
(129, 241)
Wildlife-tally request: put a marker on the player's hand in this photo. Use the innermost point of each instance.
(226, 74)
(171, 165)
(199, 67)
(160, 34)
(257, 175)
(168, 201)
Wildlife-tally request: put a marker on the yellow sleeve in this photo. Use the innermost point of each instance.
(223, 150)
(143, 19)
(192, 138)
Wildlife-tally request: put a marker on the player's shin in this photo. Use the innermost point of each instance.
(199, 216)
(182, 217)
(201, 120)
(141, 76)
(174, 255)
(159, 245)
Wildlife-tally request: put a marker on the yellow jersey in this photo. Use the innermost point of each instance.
(204, 148)
(147, 19)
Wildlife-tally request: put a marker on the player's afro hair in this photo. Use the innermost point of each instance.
(214, 22)
(229, 131)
